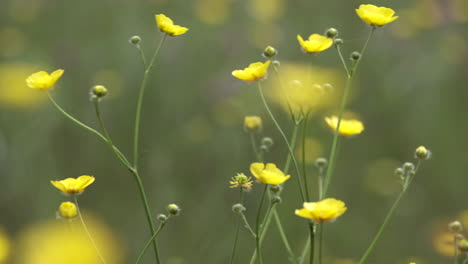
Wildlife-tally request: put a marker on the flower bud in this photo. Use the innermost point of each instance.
(252, 124)
(275, 188)
(267, 141)
(327, 87)
(463, 245)
(355, 55)
(135, 40)
(270, 52)
(67, 210)
(264, 148)
(408, 167)
(173, 209)
(399, 172)
(331, 33)
(276, 200)
(422, 153)
(455, 227)
(99, 91)
(338, 41)
(321, 163)
(161, 218)
(238, 208)
(276, 63)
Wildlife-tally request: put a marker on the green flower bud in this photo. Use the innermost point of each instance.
(408, 167)
(99, 91)
(270, 52)
(267, 141)
(161, 218)
(238, 208)
(328, 88)
(455, 227)
(276, 63)
(399, 172)
(275, 188)
(264, 148)
(276, 199)
(422, 153)
(463, 245)
(338, 41)
(135, 40)
(173, 209)
(321, 163)
(355, 55)
(331, 33)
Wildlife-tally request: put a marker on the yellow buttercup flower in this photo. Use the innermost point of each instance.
(167, 26)
(252, 123)
(323, 211)
(5, 246)
(348, 128)
(67, 210)
(268, 174)
(315, 43)
(72, 185)
(254, 72)
(42, 81)
(376, 16)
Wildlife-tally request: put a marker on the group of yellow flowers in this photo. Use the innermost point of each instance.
(325, 210)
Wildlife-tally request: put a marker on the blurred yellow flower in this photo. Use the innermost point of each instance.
(254, 72)
(252, 123)
(67, 210)
(72, 185)
(323, 211)
(63, 242)
(42, 81)
(268, 174)
(315, 43)
(166, 25)
(5, 246)
(348, 128)
(376, 16)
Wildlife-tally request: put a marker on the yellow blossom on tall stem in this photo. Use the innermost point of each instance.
(67, 210)
(166, 25)
(252, 123)
(323, 211)
(348, 128)
(72, 185)
(42, 81)
(256, 71)
(376, 16)
(315, 43)
(268, 174)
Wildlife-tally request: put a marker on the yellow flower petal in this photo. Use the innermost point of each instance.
(254, 72)
(347, 127)
(73, 186)
(315, 43)
(268, 174)
(322, 211)
(42, 81)
(166, 25)
(376, 16)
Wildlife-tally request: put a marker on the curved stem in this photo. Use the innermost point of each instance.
(257, 225)
(255, 148)
(304, 165)
(87, 231)
(342, 60)
(291, 151)
(389, 215)
(140, 102)
(247, 225)
(236, 236)
(312, 242)
(161, 225)
(142, 55)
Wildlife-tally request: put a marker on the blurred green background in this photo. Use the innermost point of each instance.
(410, 90)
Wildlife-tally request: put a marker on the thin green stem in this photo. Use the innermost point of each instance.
(455, 250)
(336, 137)
(304, 164)
(106, 135)
(236, 236)
(255, 148)
(144, 83)
(320, 243)
(338, 49)
(87, 231)
(291, 151)
(142, 55)
(247, 225)
(283, 235)
(76, 121)
(304, 251)
(389, 215)
(161, 226)
(312, 242)
(257, 224)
